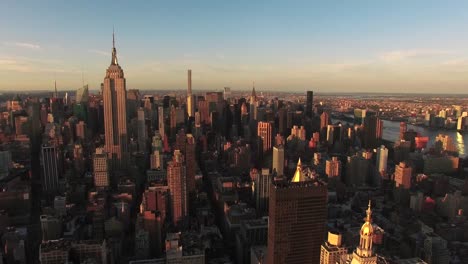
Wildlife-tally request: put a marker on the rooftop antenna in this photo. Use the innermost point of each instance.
(82, 75)
(55, 85)
(114, 52)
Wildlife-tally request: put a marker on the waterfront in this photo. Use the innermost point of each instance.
(391, 132)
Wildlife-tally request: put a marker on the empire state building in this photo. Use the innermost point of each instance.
(115, 112)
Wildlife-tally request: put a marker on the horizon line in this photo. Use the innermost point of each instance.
(245, 90)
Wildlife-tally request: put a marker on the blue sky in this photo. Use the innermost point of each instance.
(367, 46)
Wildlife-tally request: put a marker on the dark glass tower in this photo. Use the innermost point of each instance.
(297, 216)
(310, 104)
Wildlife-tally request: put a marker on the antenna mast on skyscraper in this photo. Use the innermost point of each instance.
(82, 75)
(114, 52)
(55, 85)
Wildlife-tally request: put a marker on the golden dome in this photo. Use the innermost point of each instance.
(367, 229)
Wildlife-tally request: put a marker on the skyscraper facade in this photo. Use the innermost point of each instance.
(262, 190)
(265, 132)
(190, 161)
(81, 130)
(114, 95)
(402, 130)
(253, 104)
(403, 175)
(101, 168)
(190, 97)
(297, 216)
(278, 160)
(334, 134)
(161, 125)
(50, 168)
(332, 250)
(82, 95)
(156, 160)
(177, 182)
(227, 93)
(359, 115)
(324, 121)
(372, 131)
(333, 168)
(382, 157)
(142, 131)
(310, 104)
(446, 142)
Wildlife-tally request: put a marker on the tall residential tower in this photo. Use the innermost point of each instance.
(310, 104)
(190, 97)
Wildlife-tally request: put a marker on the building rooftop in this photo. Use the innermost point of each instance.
(306, 183)
(260, 252)
(149, 261)
(411, 261)
(253, 223)
(54, 245)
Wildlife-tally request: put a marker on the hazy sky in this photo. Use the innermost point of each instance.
(378, 46)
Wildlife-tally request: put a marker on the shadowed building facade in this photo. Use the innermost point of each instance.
(177, 182)
(310, 104)
(297, 216)
(265, 132)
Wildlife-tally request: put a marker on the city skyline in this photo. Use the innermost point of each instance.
(309, 133)
(365, 47)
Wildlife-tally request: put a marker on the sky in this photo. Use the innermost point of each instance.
(325, 46)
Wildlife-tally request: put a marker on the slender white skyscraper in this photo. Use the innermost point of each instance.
(227, 93)
(161, 127)
(278, 160)
(382, 157)
(142, 133)
(190, 98)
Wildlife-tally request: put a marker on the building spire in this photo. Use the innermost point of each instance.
(298, 176)
(364, 250)
(253, 96)
(114, 51)
(55, 86)
(369, 213)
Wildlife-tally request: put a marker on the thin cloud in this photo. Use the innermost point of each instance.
(400, 55)
(456, 62)
(344, 66)
(23, 45)
(14, 65)
(30, 65)
(100, 52)
(220, 56)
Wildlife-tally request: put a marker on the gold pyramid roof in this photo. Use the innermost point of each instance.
(298, 175)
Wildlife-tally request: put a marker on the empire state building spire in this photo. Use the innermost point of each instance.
(114, 51)
(114, 96)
